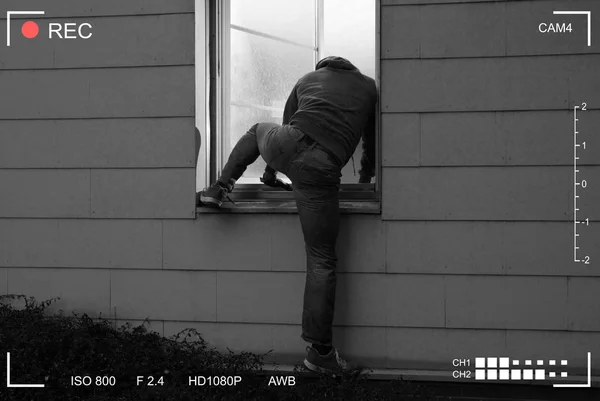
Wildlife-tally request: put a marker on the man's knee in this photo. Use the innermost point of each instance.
(253, 129)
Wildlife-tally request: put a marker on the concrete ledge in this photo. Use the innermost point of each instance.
(288, 207)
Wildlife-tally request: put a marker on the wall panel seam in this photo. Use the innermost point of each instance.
(46, 16)
(97, 68)
(454, 2)
(500, 57)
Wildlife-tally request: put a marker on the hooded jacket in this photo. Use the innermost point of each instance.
(335, 106)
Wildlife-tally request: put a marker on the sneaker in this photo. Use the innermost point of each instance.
(215, 194)
(270, 178)
(331, 363)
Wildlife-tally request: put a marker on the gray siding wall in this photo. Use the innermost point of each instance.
(472, 255)
(104, 127)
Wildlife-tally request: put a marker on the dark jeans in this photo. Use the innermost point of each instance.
(315, 177)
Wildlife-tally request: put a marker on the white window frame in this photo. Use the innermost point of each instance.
(202, 60)
(203, 17)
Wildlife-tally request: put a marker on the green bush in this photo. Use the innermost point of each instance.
(56, 348)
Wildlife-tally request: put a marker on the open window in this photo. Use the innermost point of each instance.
(254, 53)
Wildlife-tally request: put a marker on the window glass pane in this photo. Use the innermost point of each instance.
(289, 19)
(349, 32)
(264, 71)
(262, 74)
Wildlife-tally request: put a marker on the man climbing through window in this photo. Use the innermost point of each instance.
(325, 116)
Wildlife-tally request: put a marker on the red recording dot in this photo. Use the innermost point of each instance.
(30, 29)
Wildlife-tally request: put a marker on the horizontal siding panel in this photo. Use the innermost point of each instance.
(415, 348)
(505, 138)
(527, 303)
(434, 349)
(95, 93)
(268, 243)
(570, 345)
(81, 243)
(103, 143)
(3, 281)
(491, 84)
(252, 297)
(162, 295)
(45, 193)
(115, 42)
(82, 290)
(401, 139)
(361, 299)
(381, 300)
(128, 244)
(400, 32)
(522, 27)
(452, 30)
(424, 2)
(495, 248)
(486, 193)
(287, 245)
(356, 251)
(83, 8)
(29, 243)
(238, 337)
(584, 302)
(216, 241)
(143, 193)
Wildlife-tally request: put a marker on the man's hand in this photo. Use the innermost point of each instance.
(270, 178)
(364, 179)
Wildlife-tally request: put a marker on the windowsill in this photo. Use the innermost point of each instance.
(288, 207)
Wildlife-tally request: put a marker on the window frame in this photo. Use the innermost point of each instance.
(212, 42)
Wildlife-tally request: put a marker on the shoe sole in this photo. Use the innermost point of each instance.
(319, 369)
(209, 201)
(334, 373)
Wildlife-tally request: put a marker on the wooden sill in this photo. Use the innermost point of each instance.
(287, 207)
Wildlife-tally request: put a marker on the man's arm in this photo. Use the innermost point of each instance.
(291, 106)
(367, 162)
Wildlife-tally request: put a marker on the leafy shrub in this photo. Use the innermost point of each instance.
(58, 347)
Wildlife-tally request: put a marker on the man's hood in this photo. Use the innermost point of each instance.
(335, 62)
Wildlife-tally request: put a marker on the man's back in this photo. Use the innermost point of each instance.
(335, 106)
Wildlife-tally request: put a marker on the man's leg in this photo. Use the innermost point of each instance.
(257, 140)
(316, 179)
(246, 151)
(318, 209)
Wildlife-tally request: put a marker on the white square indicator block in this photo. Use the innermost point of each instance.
(552, 362)
(540, 362)
(539, 374)
(528, 362)
(563, 374)
(516, 362)
(563, 362)
(527, 374)
(480, 374)
(492, 374)
(504, 362)
(492, 362)
(504, 374)
(552, 374)
(515, 374)
(480, 362)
